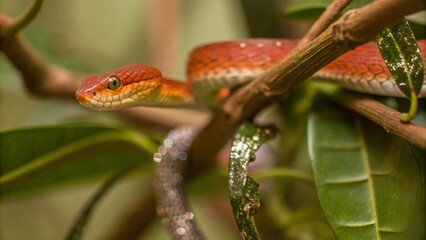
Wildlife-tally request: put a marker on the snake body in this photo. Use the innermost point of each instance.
(222, 65)
(170, 160)
(212, 68)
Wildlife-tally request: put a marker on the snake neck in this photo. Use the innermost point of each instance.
(172, 93)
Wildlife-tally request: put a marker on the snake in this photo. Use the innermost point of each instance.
(215, 68)
(212, 71)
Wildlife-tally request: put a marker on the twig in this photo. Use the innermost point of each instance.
(383, 115)
(326, 18)
(40, 78)
(27, 16)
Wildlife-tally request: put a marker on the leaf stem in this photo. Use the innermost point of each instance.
(76, 230)
(407, 117)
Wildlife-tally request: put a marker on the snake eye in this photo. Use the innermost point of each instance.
(114, 83)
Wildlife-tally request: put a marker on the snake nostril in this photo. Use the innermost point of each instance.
(94, 93)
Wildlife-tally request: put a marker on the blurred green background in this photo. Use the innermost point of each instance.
(100, 35)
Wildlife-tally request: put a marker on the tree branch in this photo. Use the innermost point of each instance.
(349, 31)
(326, 18)
(383, 115)
(29, 14)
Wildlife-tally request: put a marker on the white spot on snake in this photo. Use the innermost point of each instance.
(243, 45)
(278, 44)
(189, 215)
(162, 150)
(181, 222)
(259, 45)
(157, 157)
(180, 231)
(183, 156)
(168, 143)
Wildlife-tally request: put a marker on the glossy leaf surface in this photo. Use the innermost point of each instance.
(402, 56)
(368, 181)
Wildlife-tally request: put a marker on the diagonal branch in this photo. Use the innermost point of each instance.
(326, 18)
(351, 30)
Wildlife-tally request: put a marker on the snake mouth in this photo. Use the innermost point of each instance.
(93, 104)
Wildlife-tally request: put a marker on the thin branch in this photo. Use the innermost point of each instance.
(384, 116)
(26, 17)
(326, 18)
(40, 78)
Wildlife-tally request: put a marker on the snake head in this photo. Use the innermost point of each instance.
(127, 86)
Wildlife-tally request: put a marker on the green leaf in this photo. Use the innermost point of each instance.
(40, 157)
(368, 181)
(243, 190)
(310, 10)
(402, 56)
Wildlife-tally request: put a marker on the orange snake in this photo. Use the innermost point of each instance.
(211, 68)
(228, 64)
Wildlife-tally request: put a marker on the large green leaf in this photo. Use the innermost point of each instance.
(369, 182)
(40, 157)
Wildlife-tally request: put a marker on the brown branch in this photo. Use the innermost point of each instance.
(39, 78)
(352, 29)
(326, 18)
(26, 17)
(384, 116)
